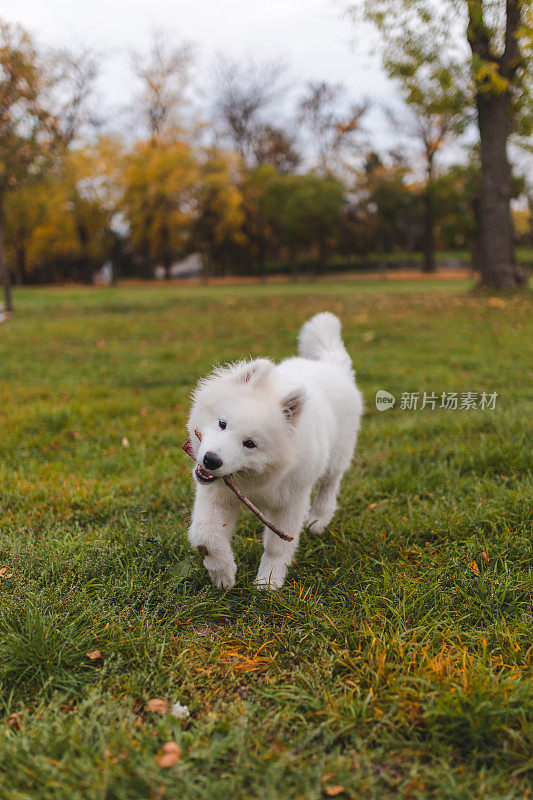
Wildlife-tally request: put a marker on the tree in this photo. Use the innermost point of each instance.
(387, 206)
(300, 213)
(159, 201)
(59, 226)
(331, 132)
(72, 77)
(436, 103)
(164, 75)
(218, 228)
(456, 206)
(428, 36)
(244, 92)
(25, 124)
(275, 147)
(502, 91)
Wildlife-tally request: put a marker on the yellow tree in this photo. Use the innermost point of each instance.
(219, 224)
(61, 223)
(160, 181)
(25, 125)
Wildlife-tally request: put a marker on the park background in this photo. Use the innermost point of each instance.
(141, 157)
(397, 661)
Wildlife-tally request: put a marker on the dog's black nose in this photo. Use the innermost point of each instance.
(212, 461)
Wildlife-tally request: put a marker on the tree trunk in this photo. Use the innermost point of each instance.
(382, 262)
(499, 269)
(428, 220)
(428, 237)
(4, 274)
(20, 264)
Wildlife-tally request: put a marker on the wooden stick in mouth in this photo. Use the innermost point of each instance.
(248, 503)
(242, 497)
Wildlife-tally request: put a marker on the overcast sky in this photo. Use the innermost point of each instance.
(312, 36)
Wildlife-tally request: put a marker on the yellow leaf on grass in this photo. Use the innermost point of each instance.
(94, 654)
(170, 754)
(157, 705)
(333, 791)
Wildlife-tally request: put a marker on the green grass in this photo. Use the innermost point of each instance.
(397, 660)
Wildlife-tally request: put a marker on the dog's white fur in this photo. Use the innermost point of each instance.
(303, 415)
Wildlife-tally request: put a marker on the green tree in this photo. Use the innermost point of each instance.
(423, 41)
(456, 204)
(437, 112)
(301, 213)
(389, 208)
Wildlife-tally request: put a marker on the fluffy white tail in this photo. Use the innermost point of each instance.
(320, 339)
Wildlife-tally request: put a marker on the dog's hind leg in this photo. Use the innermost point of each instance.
(325, 503)
(277, 553)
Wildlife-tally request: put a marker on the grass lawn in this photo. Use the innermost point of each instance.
(396, 661)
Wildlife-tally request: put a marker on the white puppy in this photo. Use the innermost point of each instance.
(278, 429)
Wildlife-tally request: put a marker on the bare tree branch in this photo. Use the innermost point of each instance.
(244, 92)
(164, 74)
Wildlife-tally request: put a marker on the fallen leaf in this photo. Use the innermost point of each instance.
(474, 567)
(496, 302)
(170, 754)
(485, 556)
(412, 785)
(14, 720)
(4, 572)
(157, 705)
(333, 791)
(94, 655)
(326, 776)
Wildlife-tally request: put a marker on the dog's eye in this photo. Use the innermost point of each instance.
(221, 424)
(249, 443)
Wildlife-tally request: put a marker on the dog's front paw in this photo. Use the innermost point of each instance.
(222, 573)
(319, 519)
(314, 525)
(271, 574)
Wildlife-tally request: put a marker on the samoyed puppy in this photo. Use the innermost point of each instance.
(279, 430)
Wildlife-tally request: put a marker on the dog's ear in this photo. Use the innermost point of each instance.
(252, 371)
(292, 405)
